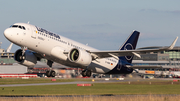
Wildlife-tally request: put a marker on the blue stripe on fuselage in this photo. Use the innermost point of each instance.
(121, 68)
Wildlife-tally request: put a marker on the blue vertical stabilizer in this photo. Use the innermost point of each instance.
(130, 44)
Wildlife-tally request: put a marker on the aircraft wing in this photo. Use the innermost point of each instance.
(118, 53)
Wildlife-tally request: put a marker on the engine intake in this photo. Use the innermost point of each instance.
(80, 57)
(28, 59)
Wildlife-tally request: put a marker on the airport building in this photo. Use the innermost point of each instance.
(167, 59)
(6, 57)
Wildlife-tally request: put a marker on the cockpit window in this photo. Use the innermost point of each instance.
(18, 26)
(23, 27)
(14, 25)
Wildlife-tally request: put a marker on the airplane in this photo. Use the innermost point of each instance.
(9, 48)
(37, 43)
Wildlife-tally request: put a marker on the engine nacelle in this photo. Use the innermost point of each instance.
(58, 52)
(28, 59)
(80, 57)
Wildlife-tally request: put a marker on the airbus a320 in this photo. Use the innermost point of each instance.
(37, 43)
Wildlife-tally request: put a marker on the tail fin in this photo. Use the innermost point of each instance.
(130, 44)
(9, 48)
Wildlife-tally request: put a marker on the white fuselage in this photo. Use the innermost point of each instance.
(45, 42)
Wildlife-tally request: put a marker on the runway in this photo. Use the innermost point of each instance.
(102, 80)
(39, 84)
(59, 83)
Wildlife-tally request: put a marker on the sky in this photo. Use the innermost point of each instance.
(102, 24)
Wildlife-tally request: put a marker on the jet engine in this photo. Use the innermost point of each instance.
(27, 59)
(58, 52)
(80, 57)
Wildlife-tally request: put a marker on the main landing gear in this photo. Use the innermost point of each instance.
(86, 73)
(50, 73)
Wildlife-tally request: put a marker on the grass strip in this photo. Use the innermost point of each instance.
(97, 89)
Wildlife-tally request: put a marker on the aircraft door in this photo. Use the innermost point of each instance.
(34, 32)
(69, 45)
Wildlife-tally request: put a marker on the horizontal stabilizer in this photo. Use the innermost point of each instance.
(139, 56)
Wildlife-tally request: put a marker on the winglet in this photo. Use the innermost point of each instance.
(173, 44)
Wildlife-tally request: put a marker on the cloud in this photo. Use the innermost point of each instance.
(161, 11)
(97, 25)
(149, 10)
(174, 12)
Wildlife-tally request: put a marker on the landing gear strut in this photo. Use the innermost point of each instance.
(50, 73)
(22, 57)
(86, 73)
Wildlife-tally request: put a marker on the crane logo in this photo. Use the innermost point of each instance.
(128, 46)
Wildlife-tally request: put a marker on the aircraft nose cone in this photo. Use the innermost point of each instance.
(7, 33)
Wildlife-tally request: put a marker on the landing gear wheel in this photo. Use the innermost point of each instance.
(53, 74)
(84, 73)
(88, 73)
(48, 74)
